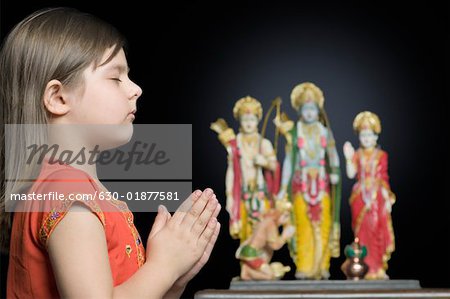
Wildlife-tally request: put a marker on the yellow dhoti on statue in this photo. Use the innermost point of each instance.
(311, 252)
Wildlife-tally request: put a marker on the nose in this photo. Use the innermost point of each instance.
(135, 91)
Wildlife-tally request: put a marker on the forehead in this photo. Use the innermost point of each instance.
(366, 132)
(118, 62)
(248, 116)
(309, 105)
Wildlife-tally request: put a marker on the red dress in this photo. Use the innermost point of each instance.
(371, 221)
(30, 273)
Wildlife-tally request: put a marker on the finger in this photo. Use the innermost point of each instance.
(179, 214)
(202, 221)
(217, 210)
(207, 234)
(212, 242)
(160, 220)
(197, 208)
(208, 249)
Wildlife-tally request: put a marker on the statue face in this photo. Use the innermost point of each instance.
(249, 123)
(309, 112)
(367, 138)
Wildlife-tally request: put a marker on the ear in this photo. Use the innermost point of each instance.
(54, 99)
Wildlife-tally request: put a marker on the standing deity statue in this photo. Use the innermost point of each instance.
(252, 176)
(371, 199)
(311, 182)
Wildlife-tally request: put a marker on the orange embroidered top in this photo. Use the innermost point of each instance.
(30, 274)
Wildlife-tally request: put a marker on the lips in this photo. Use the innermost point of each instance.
(131, 115)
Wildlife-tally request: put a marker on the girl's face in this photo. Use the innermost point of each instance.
(309, 112)
(249, 123)
(107, 97)
(367, 138)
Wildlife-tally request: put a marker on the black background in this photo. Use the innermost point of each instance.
(195, 60)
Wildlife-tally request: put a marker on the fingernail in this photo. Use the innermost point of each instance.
(160, 208)
(197, 193)
(208, 192)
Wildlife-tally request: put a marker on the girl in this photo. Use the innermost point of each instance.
(62, 67)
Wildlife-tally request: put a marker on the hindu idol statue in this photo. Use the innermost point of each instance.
(311, 182)
(252, 176)
(371, 199)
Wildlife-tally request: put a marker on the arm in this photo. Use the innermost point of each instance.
(384, 176)
(267, 159)
(286, 173)
(333, 158)
(178, 287)
(285, 128)
(229, 178)
(82, 268)
(176, 248)
(274, 240)
(280, 240)
(350, 165)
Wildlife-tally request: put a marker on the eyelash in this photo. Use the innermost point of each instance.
(116, 79)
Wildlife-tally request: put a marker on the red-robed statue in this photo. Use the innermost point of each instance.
(371, 198)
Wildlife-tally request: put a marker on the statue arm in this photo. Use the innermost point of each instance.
(229, 178)
(383, 168)
(269, 155)
(350, 168)
(333, 159)
(332, 152)
(287, 171)
(351, 158)
(275, 241)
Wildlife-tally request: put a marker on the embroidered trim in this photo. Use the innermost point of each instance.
(57, 214)
(128, 215)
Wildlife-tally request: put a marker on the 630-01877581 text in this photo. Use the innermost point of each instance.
(140, 195)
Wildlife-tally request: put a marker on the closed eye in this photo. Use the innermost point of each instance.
(116, 79)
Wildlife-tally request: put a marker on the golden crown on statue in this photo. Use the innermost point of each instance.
(247, 105)
(367, 120)
(305, 93)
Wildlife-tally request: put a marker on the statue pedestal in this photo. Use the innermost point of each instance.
(324, 289)
(305, 285)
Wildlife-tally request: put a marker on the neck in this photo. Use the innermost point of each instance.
(369, 149)
(250, 134)
(72, 151)
(308, 123)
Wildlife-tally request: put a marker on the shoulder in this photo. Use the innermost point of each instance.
(64, 178)
(61, 189)
(382, 155)
(266, 143)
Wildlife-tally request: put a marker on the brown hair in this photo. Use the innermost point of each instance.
(55, 43)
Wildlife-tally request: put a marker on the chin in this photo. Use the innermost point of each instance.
(114, 136)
